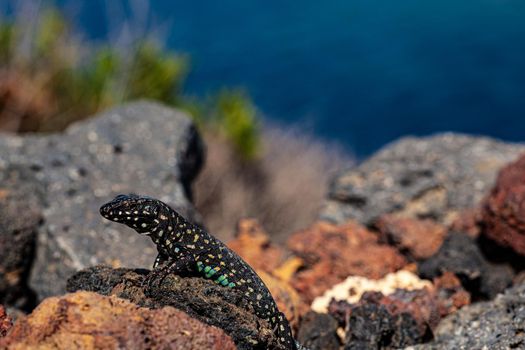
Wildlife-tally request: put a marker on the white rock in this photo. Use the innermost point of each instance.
(354, 287)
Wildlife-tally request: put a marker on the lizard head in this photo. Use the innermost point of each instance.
(138, 212)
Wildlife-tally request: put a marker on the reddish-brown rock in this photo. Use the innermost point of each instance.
(254, 246)
(419, 239)
(5, 322)
(504, 209)
(331, 253)
(450, 293)
(86, 320)
(468, 221)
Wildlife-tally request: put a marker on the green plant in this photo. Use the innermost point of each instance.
(70, 79)
(6, 37)
(236, 117)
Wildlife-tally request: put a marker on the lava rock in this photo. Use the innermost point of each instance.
(318, 332)
(426, 302)
(432, 177)
(460, 254)
(141, 147)
(468, 221)
(5, 322)
(85, 320)
(332, 253)
(371, 326)
(417, 239)
(503, 213)
(496, 324)
(450, 293)
(202, 299)
(21, 206)
(398, 319)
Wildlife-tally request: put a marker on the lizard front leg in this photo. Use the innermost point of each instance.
(160, 260)
(183, 265)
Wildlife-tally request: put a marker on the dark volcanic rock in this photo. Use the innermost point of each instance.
(504, 209)
(496, 324)
(203, 299)
(318, 332)
(388, 321)
(401, 318)
(141, 147)
(432, 177)
(90, 321)
(371, 326)
(460, 254)
(21, 206)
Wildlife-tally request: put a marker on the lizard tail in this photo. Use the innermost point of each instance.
(299, 346)
(284, 334)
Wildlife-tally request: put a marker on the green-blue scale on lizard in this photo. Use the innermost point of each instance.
(187, 249)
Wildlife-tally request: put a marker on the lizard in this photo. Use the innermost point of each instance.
(185, 248)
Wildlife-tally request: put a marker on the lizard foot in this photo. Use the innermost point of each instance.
(155, 278)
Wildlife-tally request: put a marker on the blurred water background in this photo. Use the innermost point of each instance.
(362, 72)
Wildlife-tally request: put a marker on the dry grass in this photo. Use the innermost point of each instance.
(283, 188)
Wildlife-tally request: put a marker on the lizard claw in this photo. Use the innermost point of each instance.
(152, 279)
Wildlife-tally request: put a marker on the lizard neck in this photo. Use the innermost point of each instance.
(167, 228)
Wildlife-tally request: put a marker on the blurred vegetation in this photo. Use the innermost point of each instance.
(50, 78)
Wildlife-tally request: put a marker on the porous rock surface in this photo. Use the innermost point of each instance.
(202, 299)
(417, 239)
(5, 322)
(86, 320)
(450, 293)
(390, 317)
(503, 212)
(140, 147)
(430, 177)
(496, 324)
(401, 318)
(331, 253)
(372, 326)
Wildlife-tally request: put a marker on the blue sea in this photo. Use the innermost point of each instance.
(359, 72)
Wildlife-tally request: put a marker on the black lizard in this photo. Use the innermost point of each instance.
(187, 249)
